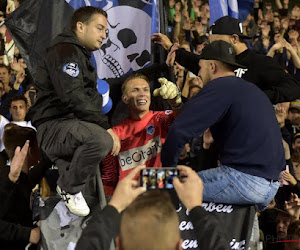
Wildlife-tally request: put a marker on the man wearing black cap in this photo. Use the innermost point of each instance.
(259, 69)
(244, 127)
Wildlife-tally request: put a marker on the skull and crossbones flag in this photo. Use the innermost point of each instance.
(130, 25)
(127, 48)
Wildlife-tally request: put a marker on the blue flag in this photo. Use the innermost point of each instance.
(245, 7)
(220, 8)
(235, 8)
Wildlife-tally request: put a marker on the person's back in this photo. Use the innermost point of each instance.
(248, 133)
(243, 124)
(268, 75)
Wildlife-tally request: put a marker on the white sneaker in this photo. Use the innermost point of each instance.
(74, 202)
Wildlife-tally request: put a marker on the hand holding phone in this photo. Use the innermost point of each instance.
(189, 188)
(127, 190)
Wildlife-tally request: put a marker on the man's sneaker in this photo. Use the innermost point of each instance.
(74, 202)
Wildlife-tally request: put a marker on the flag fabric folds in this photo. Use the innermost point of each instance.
(130, 25)
(245, 7)
(128, 47)
(220, 8)
(235, 8)
(34, 25)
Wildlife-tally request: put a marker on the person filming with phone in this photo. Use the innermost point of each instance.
(149, 219)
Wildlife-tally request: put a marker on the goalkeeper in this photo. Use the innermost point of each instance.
(144, 132)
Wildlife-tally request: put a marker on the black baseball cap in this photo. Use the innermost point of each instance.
(227, 25)
(221, 51)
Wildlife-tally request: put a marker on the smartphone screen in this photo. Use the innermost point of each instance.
(158, 178)
(32, 96)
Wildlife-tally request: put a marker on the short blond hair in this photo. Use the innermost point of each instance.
(150, 222)
(131, 77)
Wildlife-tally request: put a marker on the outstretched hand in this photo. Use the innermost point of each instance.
(293, 206)
(162, 39)
(127, 190)
(18, 162)
(289, 178)
(168, 91)
(172, 55)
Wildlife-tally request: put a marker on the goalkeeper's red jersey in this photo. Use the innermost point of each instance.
(141, 143)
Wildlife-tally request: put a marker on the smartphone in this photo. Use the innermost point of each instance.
(32, 96)
(158, 178)
(281, 180)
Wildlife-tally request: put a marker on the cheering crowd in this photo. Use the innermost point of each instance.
(229, 121)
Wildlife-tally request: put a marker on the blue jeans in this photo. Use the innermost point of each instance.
(228, 185)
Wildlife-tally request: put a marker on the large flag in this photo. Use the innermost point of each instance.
(128, 46)
(36, 22)
(235, 8)
(34, 25)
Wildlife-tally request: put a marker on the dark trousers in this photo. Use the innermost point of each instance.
(76, 147)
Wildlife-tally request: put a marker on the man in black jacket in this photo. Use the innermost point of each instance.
(261, 70)
(71, 128)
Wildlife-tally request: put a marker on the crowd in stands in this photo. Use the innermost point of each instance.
(273, 30)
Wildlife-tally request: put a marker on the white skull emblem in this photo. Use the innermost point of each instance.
(128, 43)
